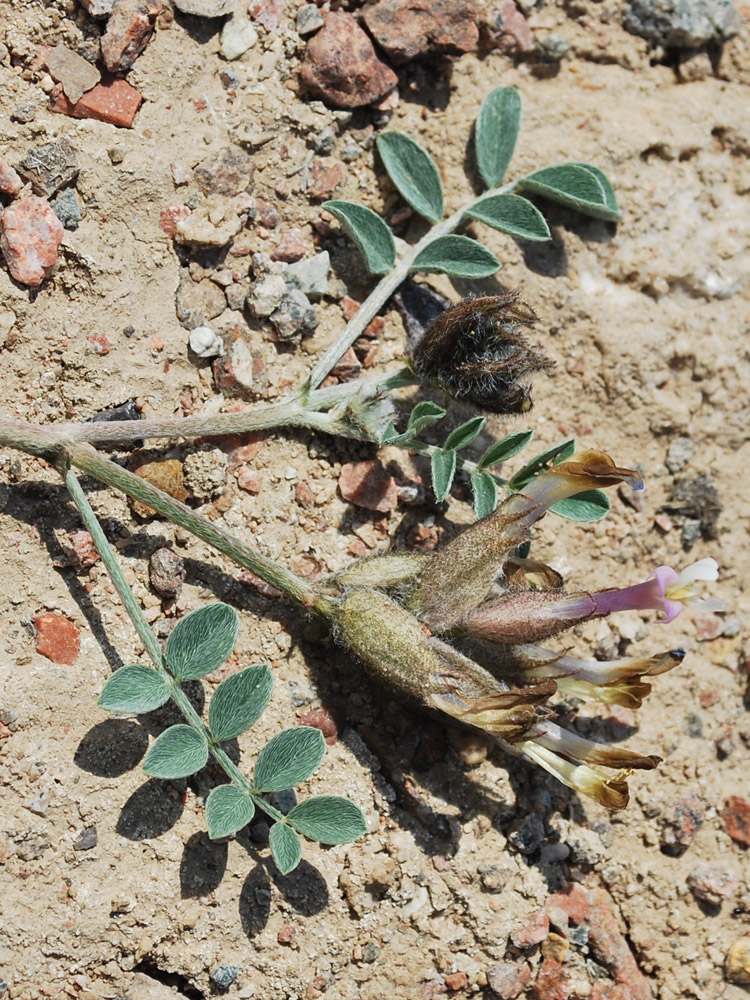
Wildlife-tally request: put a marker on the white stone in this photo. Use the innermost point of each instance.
(237, 36)
(205, 343)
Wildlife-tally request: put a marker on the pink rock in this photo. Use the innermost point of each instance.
(171, 216)
(341, 67)
(287, 934)
(573, 900)
(509, 28)
(681, 823)
(241, 370)
(290, 247)
(533, 933)
(552, 981)
(83, 552)
(507, 980)
(712, 882)
(31, 234)
(609, 946)
(367, 485)
(250, 480)
(115, 102)
(348, 367)
(736, 819)
(10, 182)
(100, 342)
(325, 177)
(457, 981)
(57, 638)
(129, 29)
(411, 29)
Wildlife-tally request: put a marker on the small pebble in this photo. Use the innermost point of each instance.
(527, 837)
(712, 882)
(679, 453)
(224, 976)
(294, 317)
(67, 208)
(167, 572)
(57, 638)
(86, 839)
(237, 36)
(50, 166)
(681, 823)
(310, 275)
(204, 343)
(736, 819)
(308, 20)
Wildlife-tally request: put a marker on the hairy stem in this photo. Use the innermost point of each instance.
(153, 648)
(297, 589)
(387, 286)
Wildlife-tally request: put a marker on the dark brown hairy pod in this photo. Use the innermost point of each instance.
(477, 352)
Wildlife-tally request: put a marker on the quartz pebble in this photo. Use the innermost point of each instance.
(265, 295)
(196, 302)
(712, 882)
(237, 36)
(206, 8)
(681, 823)
(30, 237)
(204, 343)
(228, 172)
(10, 182)
(308, 20)
(241, 370)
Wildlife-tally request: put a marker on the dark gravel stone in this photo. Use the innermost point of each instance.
(528, 835)
(67, 209)
(224, 976)
(694, 500)
(167, 572)
(50, 166)
(86, 839)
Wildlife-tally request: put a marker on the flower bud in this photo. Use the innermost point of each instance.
(394, 569)
(529, 616)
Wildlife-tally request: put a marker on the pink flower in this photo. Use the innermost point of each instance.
(666, 590)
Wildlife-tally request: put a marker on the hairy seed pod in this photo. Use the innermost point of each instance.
(477, 352)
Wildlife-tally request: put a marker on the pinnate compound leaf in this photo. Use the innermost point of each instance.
(414, 173)
(465, 434)
(369, 232)
(496, 131)
(591, 505)
(502, 450)
(228, 809)
(286, 847)
(512, 215)
(573, 185)
(239, 701)
(484, 488)
(177, 753)
(423, 415)
(134, 690)
(202, 641)
(290, 757)
(443, 471)
(558, 453)
(458, 256)
(329, 819)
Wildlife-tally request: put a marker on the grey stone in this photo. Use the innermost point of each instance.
(67, 209)
(224, 976)
(308, 20)
(528, 835)
(266, 295)
(236, 295)
(167, 572)
(295, 317)
(196, 302)
(24, 112)
(683, 24)
(50, 166)
(585, 846)
(679, 453)
(86, 839)
(310, 275)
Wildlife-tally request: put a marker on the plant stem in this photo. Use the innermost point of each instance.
(386, 287)
(297, 589)
(153, 648)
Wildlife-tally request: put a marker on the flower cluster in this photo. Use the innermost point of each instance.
(435, 629)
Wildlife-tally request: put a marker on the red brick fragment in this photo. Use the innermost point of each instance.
(533, 933)
(57, 638)
(736, 819)
(366, 484)
(114, 102)
(31, 234)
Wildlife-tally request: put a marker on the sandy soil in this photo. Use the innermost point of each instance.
(648, 323)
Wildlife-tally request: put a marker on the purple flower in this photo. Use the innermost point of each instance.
(666, 590)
